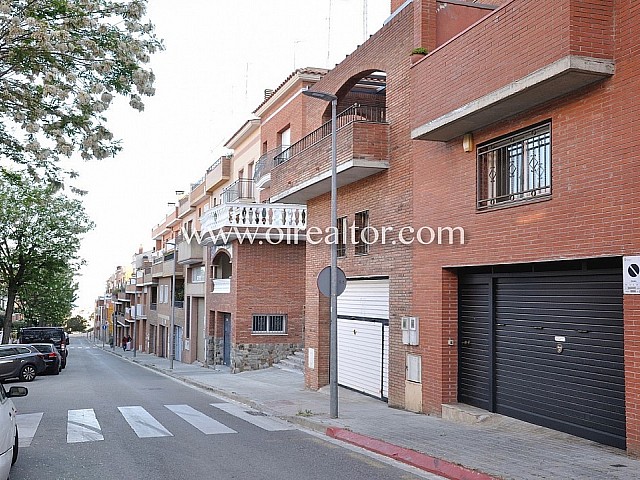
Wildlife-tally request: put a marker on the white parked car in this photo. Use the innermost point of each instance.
(8, 429)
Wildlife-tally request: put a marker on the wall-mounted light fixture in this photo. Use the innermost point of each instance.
(467, 142)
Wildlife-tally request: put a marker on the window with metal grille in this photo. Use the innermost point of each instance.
(515, 168)
(269, 324)
(361, 232)
(341, 231)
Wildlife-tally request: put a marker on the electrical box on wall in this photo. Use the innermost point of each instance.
(410, 331)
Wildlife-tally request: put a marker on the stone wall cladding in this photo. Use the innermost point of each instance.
(255, 356)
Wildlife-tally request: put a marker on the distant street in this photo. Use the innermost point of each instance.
(105, 418)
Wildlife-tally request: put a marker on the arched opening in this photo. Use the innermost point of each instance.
(221, 266)
(361, 98)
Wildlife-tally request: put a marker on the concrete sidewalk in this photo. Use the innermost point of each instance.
(497, 447)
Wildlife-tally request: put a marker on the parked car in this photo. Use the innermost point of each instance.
(52, 357)
(8, 429)
(20, 361)
(55, 335)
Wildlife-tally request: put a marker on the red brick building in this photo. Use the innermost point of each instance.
(501, 167)
(533, 300)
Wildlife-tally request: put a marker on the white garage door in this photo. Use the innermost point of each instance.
(363, 336)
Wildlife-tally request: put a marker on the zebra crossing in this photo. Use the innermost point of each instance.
(83, 424)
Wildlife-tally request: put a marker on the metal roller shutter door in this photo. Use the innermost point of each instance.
(363, 337)
(510, 362)
(474, 363)
(580, 389)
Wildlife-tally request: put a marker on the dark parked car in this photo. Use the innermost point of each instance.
(52, 358)
(20, 361)
(55, 335)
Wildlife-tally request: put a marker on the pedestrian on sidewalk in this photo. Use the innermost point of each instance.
(129, 344)
(124, 343)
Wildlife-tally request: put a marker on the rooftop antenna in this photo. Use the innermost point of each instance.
(329, 37)
(295, 44)
(365, 22)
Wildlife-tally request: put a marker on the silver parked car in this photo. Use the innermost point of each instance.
(8, 429)
(20, 361)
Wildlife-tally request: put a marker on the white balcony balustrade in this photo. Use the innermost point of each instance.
(229, 220)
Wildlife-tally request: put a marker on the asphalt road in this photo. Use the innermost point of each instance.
(106, 418)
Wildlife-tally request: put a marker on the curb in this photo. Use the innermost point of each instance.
(410, 457)
(416, 459)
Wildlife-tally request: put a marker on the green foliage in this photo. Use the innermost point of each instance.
(419, 51)
(48, 301)
(76, 324)
(40, 230)
(61, 63)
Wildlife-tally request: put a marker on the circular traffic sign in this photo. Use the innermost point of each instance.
(324, 281)
(634, 270)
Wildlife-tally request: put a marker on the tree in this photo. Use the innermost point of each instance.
(76, 324)
(40, 231)
(48, 301)
(61, 63)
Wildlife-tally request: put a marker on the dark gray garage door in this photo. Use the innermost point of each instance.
(546, 348)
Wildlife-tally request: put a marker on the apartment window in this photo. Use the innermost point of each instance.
(165, 290)
(285, 142)
(197, 274)
(361, 233)
(269, 324)
(341, 231)
(515, 169)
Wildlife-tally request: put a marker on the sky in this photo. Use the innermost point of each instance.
(220, 57)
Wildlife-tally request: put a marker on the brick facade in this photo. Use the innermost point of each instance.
(592, 211)
(387, 197)
(266, 279)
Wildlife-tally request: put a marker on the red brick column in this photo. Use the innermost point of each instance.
(632, 370)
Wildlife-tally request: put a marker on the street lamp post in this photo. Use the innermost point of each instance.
(172, 338)
(333, 327)
(135, 316)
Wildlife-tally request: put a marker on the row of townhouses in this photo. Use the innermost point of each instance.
(488, 216)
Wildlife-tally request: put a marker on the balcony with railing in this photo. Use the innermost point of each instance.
(140, 311)
(262, 171)
(240, 190)
(189, 251)
(184, 207)
(286, 222)
(303, 170)
(218, 173)
(198, 192)
(131, 286)
(163, 266)
(147, 279)
(159, 230)
(560, 51)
